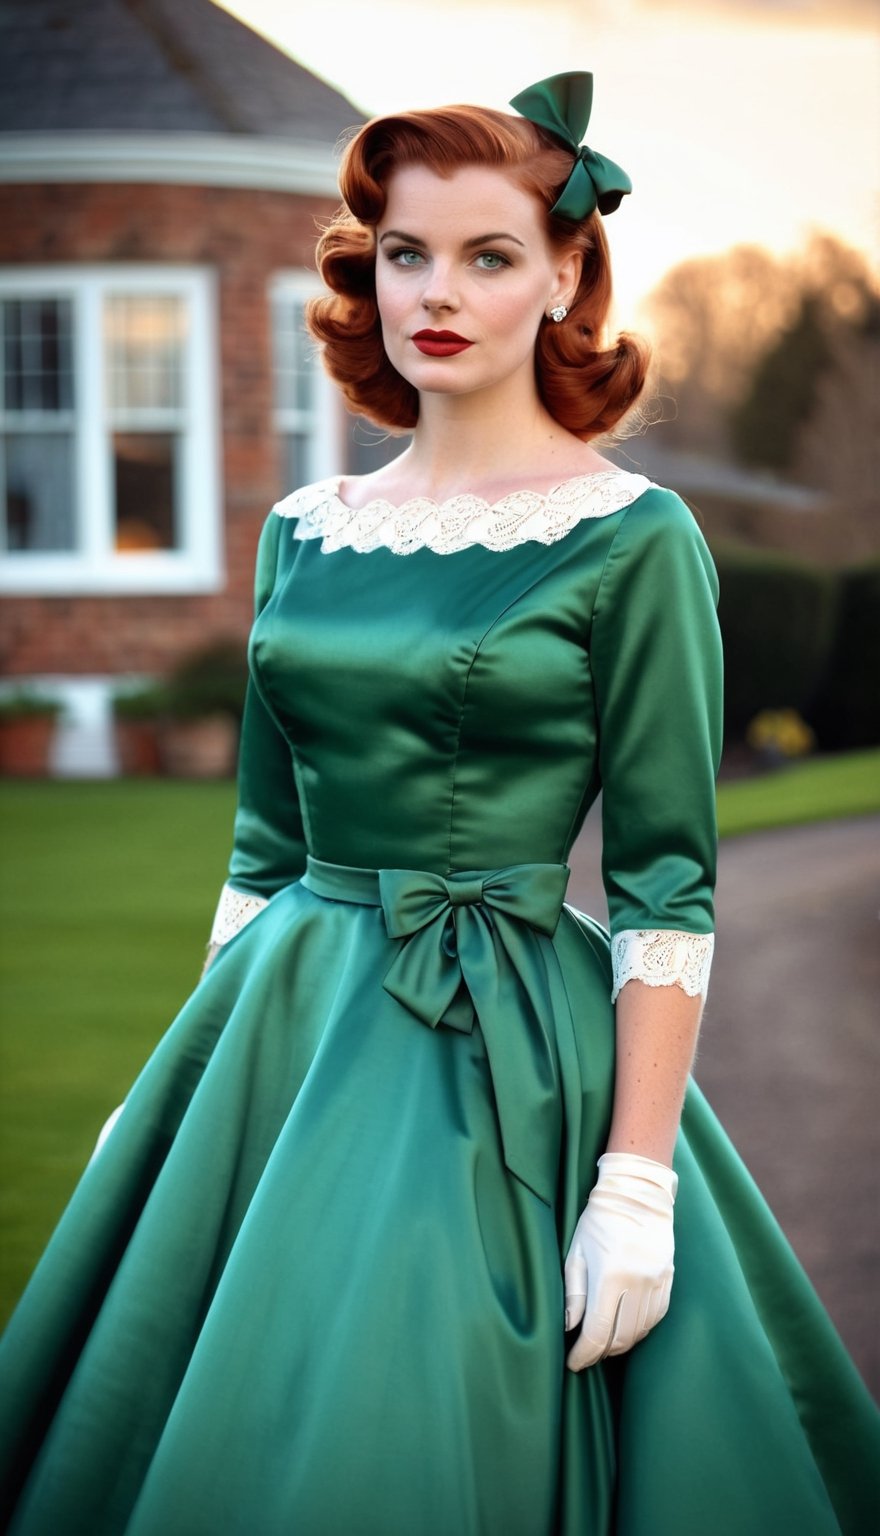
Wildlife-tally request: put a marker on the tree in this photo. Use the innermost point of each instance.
(838, 449)
(766, 423)
(775, 361)
(811, 407)
(713, 318)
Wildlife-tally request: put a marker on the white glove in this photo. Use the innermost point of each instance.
(618, 1273)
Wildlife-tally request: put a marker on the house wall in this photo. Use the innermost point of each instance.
(245, 236)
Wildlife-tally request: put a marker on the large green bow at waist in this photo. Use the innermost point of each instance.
(470, 951)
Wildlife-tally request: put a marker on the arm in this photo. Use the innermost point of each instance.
(656, 657)
(656, 1039)
(619, 1268)
(269, 848)
(656, 660)
(269, 843)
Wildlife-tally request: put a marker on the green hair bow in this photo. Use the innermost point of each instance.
(562, 105)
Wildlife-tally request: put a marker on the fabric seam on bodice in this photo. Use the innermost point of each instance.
(520, 594)
(597, 598)
(462, 521)
(456, 756)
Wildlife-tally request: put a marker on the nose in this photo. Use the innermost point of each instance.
(440, 291)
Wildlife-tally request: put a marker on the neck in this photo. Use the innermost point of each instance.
(466, 441)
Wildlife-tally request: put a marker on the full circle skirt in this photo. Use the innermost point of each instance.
(299, 1291)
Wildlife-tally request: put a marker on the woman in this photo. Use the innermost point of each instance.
(313, 1280)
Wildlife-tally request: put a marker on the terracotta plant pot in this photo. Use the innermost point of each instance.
(25, 742)
(137, 745)
(199, 749)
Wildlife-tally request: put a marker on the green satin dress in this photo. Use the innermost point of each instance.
(312, 1283)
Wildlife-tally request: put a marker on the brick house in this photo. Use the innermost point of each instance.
(162, 169)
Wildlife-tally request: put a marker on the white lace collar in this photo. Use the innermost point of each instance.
(448, 526)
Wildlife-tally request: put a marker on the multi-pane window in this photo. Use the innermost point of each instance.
(318, 436)
(108, 431)
(298, 393)
(145, 363)
(38, 409)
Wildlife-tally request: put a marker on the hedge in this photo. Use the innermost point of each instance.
(845, 709)
(777, 619)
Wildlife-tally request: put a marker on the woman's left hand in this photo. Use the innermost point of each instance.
(618, 1273)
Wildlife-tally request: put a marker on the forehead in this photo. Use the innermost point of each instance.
(473, 199)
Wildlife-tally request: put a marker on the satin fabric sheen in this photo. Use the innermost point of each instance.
(312, 1283)
(562, 104)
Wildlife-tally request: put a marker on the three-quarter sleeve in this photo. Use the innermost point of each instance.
(655, 654)
(269, 849)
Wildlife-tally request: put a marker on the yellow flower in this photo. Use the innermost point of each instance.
(780, 733)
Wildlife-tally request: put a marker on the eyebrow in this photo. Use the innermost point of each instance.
(399, 234)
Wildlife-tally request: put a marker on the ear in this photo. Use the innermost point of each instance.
(568, 275)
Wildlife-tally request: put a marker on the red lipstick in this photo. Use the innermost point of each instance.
(440, 343)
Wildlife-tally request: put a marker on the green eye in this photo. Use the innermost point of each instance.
(492, 261)
(406, 257)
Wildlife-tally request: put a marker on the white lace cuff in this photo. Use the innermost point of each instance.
(662, 957)
(234, 911)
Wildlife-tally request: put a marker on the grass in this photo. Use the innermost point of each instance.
(818, 789)
(106, 897)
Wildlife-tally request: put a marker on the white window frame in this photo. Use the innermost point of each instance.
(94, 566)
(325, 422)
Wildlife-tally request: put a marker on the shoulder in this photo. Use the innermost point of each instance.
(656, 512)
(306, 499)
(657, 518)
(658, 538)
(300, 508)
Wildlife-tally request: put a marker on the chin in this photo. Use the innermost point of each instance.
(437, 378)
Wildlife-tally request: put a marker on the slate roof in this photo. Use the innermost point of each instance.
(155, 66)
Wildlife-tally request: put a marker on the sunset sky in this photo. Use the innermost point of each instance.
(738, 120)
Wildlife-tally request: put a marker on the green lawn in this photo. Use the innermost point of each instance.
(106, 897)
(819, 789)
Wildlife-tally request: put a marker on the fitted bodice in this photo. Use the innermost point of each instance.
(459, 708)
(440, 709)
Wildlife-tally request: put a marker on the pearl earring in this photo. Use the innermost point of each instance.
(558, 313)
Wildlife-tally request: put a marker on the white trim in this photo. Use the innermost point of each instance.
(94, 566)
(325, 421)
(234, 911)
(142, 575)
(662, 957)
(449, 526)
(185, 159)
(93, 481)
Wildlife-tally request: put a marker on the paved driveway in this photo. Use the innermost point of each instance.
(790, 1047)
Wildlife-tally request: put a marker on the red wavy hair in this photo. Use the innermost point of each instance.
(586, 385)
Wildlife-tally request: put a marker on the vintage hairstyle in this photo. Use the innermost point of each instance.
(585, 384)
